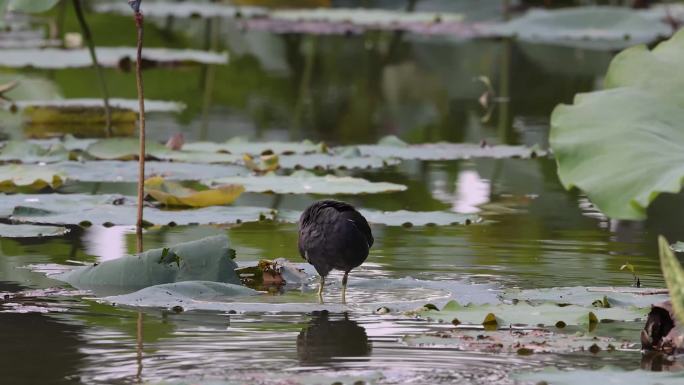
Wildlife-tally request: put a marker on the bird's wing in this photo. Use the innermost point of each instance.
(360, 223)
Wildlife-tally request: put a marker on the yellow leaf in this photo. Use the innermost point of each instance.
(174, 194)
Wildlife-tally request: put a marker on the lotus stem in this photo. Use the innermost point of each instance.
(139, 20)
(87, 35)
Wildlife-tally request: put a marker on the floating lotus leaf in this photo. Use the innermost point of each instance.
(15, 178)
(208, 259)
(187, 295)
(545, 314)
(241, 146)
(302, 182)
(55, 58)
(27, 152)
(174, 194)
(605, 28)
(40, 115)
(372, 18)
(121, 171)
(585, 296)
(185, 10)
(395, 148)
(334, 161)
(623, 146)
(74, 209)
(128, 104)
(519, 341)
(606, 375)
(400, 217)
(127, 149)
(30, 231)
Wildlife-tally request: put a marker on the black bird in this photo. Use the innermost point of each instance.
(333, 235)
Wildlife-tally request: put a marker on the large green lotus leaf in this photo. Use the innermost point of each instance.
(303, 182)
(622, 147)
(55, 58)
(30, 6)
(364, 17)
(586, 296)
(658, 69)
(400, 217)
(208, 259)
(606, 28)
(117, 171)
(392, 147)
(189, 295)
(606, 375)
(27, 152)
(30, 231)
(523, 341)
(546, 314)
(240, 146)
(674, 276)
(74, 209)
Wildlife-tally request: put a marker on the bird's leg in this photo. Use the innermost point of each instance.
(344, 287)
(320, 289)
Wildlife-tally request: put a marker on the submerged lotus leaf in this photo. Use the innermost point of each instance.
(27, 152)
(74, 209)
(606, 375)
(14, 178)
(208, 259)
(240, 146)
(395, 148)
(623, 146)
(188, 295)
(55, 58)
(30, 231)
(605, 28)
(174, 194)
(585, 296)
(303, 182)
(546, 314)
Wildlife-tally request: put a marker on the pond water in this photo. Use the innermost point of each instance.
(342, 90)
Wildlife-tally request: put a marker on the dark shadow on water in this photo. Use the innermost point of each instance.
(37, 349)
(323, 339)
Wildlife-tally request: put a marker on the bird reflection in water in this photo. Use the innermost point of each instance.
(324, 339)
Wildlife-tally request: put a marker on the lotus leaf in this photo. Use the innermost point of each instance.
(28, 152)
(585, 296)
(188, 295)
(674, 277)
(128, 104)
(241, 146)
(55, 58)
(546, 314)
(622, 146)
(30, 231)
(208, 259)
(174, 194)
(74, 209)
(605, 28)
(400, 217)
(302, 182)
(31, 6)
(395, 148)
(14, 178)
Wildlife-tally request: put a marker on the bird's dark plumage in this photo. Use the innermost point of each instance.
(333, 235)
